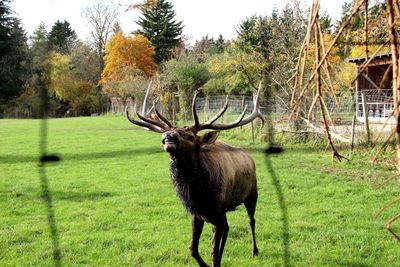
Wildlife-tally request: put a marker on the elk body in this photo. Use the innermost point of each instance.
(210, 177)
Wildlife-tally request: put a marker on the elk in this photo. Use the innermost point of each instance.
(209, 176)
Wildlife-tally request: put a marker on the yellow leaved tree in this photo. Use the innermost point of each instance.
(127, 52)
(65, 85)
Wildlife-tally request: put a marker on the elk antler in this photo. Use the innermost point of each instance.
(239, 122)
(160, 124)
(144, 107)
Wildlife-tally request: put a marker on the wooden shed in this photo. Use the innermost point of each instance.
(376, 84)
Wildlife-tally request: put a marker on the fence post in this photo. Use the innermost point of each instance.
(242, 109)
(173, 109)
(365, 113)
(205, 115)
(252, 133)
(353, 128)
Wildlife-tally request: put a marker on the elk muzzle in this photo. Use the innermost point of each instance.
(170, 141)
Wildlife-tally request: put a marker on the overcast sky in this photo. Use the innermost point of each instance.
(212, 17)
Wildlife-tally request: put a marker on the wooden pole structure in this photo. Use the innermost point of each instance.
(391, 7)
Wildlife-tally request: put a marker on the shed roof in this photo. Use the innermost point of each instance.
(362, 59)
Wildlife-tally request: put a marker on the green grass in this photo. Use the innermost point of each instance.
(114, 204)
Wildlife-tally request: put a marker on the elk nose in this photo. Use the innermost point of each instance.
(168, 137)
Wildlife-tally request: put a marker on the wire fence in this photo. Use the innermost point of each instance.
(278, 108)
(341, 109)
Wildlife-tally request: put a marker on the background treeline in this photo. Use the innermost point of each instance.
(81, 76)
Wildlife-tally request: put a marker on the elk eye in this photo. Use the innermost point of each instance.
(191, 138)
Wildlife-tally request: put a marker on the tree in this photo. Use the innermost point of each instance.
(62, 37)
(132, 52)
(205, 45)
(128, 66)
(14, 60)
(133, 83)
(85, 62)
(326, 22)
(353, 37)
(220, 44)
(248, 34)
(5, 29)
(273, 42)
(79, 93)
(28, 101)
(158, 24)
(101, 17)
(232, 72)
(257, 36)
(39, 45)
(116, 28)
(188, 74)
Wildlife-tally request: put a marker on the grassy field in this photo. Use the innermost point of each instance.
(110, 202)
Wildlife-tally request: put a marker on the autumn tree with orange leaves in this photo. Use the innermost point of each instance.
(128, 65)
(134, 52)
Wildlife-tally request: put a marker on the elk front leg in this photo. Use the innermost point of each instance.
(197, 228)
(218, 242)
(223, 239)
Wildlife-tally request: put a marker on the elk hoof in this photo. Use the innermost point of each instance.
(255, 252)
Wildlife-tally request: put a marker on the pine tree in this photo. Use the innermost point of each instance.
(39, 46)
(248, 34)
(5, 29)
(116, 28)
(62, 37)
(158, 24)
(13, 54)
(220, 44)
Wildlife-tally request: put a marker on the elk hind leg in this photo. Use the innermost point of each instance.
(197, 228)
(250, 205)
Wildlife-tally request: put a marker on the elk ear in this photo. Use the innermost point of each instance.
(210, 137)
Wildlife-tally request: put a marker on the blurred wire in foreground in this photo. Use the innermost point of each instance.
(281, 202)
(43, 160)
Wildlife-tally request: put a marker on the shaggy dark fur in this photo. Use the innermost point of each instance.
(195, 188)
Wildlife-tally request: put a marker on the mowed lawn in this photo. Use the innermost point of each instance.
(111, 203)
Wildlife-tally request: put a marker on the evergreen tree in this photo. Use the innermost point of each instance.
(220, 44)
(248, 34)
(39, 46)
(13, 54)
(158, 24)
(116, 28)
(326, 22)
(62, 37)
(5, 29)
